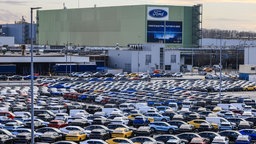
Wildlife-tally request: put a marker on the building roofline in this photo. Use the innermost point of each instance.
(156, 5)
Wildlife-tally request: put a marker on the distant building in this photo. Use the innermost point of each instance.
(145, 58)
(21, 31)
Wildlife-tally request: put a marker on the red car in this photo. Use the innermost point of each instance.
(57, 124)
(8, 114)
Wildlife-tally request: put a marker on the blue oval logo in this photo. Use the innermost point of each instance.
(158, 13)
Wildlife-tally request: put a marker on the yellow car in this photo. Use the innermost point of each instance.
(122, 132)
(249, 88)
(196, 123)
(132, 117)
(133, 75)
(119, 140)
(216, 109)
(76, 136)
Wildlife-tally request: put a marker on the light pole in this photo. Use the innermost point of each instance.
(220, 70)
(32, 75)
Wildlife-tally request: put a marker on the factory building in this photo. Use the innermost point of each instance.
(175, 26)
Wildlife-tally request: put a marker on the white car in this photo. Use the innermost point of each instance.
(120, 120)
(220, 140)
(61, 116)
(68, 129)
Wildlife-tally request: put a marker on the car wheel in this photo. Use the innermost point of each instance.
(152, 129)
(170, 131)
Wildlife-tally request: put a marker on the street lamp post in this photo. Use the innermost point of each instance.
(220, 87)
(32, 75)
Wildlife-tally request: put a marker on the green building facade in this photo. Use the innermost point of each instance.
(176, 26)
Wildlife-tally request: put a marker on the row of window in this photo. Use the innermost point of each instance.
(148, 59)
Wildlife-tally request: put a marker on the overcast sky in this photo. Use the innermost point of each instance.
(221, 14)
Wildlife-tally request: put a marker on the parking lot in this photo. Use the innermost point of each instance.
(129, 109)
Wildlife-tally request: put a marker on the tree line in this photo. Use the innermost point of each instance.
(228, 34)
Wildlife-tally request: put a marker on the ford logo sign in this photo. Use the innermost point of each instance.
(158, 13)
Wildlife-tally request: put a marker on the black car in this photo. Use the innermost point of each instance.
(50, 137)
(79, 122)
(188, 136)
(15, 77)
(143, 131)
(93, 108)
(208, 134)
(114, 126)
(205, 127)
(3, 77)
(99, 134)
(100, 121)
(231, 134)
(252, 119)
(237, 121)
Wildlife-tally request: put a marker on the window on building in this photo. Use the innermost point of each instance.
(127, 67)
(253, 68)
(148, 59)
(173, 58)
(168, 67)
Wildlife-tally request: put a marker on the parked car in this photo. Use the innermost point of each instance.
(163, 127)
(188, 136)
(57, 124)
(249, 132)
(122, 132)
(243, 139)
(168, 138)
(22, 138)
(119, 140)
(99, 134)
(5, 139)
(76, 136)
(15, 77)
(230, 134)
(208, 134)
(220, 139)
(199, 140)
(143, 131)
(3, 77)
(93, 141)
(140, 121)
(50, 137)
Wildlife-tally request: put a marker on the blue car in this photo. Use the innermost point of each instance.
(82, 97)
(158, 117)
(162, 127)
(28, 77)
(140, 121)
(249, 132)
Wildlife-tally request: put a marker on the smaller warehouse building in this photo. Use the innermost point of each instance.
(248, 70)
(145, 58)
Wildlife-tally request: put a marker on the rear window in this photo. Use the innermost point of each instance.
(95, 132)
(55, 123)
